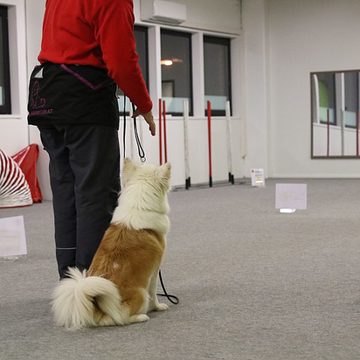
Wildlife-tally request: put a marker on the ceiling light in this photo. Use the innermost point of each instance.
(166, 62)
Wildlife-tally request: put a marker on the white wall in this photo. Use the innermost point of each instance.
(255, 82)
(220, 16)
(305, 36)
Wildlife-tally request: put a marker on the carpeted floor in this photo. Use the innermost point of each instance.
(253, 283)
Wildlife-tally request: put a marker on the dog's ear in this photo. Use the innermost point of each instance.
(165, 171)
(127, 162)
(128, 169)
(129, 165)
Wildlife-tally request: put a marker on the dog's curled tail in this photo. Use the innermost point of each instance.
(75, 297)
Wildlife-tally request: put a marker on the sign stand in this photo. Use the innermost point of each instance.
(257, 177)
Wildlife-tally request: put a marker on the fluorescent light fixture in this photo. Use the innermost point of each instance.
(169, 62)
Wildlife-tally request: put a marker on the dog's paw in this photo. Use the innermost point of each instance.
(139, 318)
(161, 307)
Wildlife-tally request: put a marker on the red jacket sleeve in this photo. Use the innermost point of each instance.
(114, 31)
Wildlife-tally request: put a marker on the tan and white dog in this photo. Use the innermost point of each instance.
(120, 286)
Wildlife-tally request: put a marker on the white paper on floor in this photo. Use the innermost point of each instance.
(12, 237)
(290, 197)
(257, 177)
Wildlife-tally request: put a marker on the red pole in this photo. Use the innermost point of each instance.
(357, 133)
(160, 133)
(328, 132)
(165, 134)
(209, 141)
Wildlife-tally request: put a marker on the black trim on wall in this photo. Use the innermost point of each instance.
(6, 108)
(144, 30)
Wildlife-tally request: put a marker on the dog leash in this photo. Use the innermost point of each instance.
(141, 151)
(172, 298)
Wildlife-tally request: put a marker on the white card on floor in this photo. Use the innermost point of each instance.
(257, 177)
(291, 196)
(12, 237)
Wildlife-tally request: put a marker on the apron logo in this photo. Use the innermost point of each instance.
(36, 102)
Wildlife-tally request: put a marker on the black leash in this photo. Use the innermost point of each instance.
(141, 151)
(172, 298)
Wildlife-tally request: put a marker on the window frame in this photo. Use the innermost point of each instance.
(220, 41)
(188, 35)
(357, 95)
(6, 108)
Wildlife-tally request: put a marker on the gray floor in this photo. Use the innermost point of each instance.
(253, 283)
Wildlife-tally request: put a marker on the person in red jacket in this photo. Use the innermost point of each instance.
(88, 48)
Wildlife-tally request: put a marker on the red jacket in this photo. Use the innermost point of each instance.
(98, 33)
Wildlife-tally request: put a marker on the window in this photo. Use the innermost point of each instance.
(335, 99)
(5, 103)
(217, 73)
(351, 98)
(176, 70)
(141, 38)
(327, 102)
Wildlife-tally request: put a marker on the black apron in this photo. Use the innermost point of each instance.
(62, 94)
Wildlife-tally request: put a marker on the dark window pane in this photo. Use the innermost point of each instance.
(176, 71)
(351, 97)
(142, 50)
(327, 101)
(217, 72)
(5, 107)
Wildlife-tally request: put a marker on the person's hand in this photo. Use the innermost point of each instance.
(148, 118)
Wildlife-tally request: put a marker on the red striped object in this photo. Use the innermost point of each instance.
(14, 189)
(26, 159)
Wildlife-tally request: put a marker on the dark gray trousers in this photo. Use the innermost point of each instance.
(85, 181)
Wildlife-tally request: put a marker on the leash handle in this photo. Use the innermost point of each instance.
(141, 151)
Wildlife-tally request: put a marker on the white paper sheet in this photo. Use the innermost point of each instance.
(291, 196)
(12, 237)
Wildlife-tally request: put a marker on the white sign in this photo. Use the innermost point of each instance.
(290, 197)
(257, 177)
(12, 237)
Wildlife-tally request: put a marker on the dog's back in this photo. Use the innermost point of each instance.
(129, 258)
